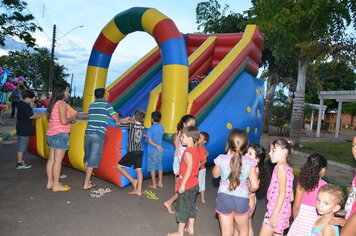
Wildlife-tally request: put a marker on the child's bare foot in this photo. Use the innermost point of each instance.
(89, 186)
(189, 231)
(135, 192)
(175, 234)
(169, 207)
(202, 200)
(152, 186)
(160, 185)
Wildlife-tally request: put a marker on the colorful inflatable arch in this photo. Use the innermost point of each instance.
(228, 97)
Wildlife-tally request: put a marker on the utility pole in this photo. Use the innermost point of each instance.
(51, 63)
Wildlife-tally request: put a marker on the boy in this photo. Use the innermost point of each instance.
(99, 113)
(135, 152)
(154, 149)
(204, 138)
(329, 201)
(24, 126)
(187, 182)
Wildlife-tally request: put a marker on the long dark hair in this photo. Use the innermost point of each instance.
(285, 144)
(264, 174)
(237, 142)
(183, 120)
(310, 173)
(58, 94)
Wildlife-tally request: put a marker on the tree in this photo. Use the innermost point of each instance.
(302, 26)
(14, 22)
(33, 66)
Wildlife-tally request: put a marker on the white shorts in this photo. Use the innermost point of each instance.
(201, 179)
(176, 164)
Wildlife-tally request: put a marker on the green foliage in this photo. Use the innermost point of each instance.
(34, 67)
(14, 22)
(76, 101)
(349, 108)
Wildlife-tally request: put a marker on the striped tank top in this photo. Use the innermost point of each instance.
(54, 124)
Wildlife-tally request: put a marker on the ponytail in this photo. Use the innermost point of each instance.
(235, 171)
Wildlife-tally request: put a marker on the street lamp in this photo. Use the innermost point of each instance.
(51, 65)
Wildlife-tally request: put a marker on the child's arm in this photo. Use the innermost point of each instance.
(126, 119)
(37, 115)
(328, 230)
(188, 158)
(202, 163)
(115, 116)
(349, 227)
(297, 201)
(253, 180)
(160, 149)
(62, 107)
(252, 204)
(175, 144)
(282, 182)
(216, 171)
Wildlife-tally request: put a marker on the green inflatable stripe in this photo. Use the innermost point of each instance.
(130, 20)
(217, 98)
(137, 86)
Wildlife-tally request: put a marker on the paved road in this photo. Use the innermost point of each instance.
(28, 208)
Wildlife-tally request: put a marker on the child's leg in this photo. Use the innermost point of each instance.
(190, 228)
(153, 177)
(88, 174)
(49, 168)
(160, 179)
(57, 167)
(138, 190)
(250, 228)
(201, 178)
(266, 231)
(241, 223)
(122, 170)
(202, 196)
(226, 224)
(19, 157)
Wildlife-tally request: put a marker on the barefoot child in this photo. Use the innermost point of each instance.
(134, 152)
(187, 182)
(185, 121)
(24, 126)
(309, 183)
(236, 172)
(99, 113)
(154, 149)
(280, 190)
(329, 201)
(204, 138)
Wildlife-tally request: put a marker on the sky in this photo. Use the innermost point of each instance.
(73, 47)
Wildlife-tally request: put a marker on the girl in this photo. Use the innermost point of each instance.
(309, 183)
(329, 201)
(257, 153)
(280, 190)
(57, 136)
(233, 194)
(185, 121)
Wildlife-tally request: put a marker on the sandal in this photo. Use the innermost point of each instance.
(65, 188)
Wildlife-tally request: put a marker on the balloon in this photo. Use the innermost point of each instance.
(10, 86)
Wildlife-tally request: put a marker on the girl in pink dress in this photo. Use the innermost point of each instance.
(280, 190)
(309, 183)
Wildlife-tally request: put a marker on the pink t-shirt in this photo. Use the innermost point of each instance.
(350, 206)
(309, 199)
(54, 124)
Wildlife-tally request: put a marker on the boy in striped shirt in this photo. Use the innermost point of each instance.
(99, 113)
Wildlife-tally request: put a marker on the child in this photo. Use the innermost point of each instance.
(135, 152)
(24, 126)
(309, 183)
(257, 153)
(57, 136)
(99, 113)
(187, 182)
(185, 121)
(204, 138)
(236, 173)
(280, 190)
(329, 201)
(154, 149)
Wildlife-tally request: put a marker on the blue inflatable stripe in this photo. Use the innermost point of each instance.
(173, 51)
(99, 59)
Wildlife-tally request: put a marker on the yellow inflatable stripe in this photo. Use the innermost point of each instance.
(152, 104)
(222, 66)
(150, 19)
(95, 78)
(132, 68)
(112, 33)
(154, 94)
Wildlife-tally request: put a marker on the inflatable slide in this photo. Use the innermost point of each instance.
(219, 69)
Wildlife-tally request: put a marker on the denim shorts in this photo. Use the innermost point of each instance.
(58, 141)
(93, 148)
(154, 161)
(22, 142)
(228, 204)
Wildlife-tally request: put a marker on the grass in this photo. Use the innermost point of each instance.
(339, 152)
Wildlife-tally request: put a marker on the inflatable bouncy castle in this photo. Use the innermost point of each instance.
(220, 67)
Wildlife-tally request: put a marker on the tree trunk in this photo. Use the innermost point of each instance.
(296, 122)
(271, 88)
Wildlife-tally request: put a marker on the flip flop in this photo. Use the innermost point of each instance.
(65, 188)
(92, 187)
(150, 195)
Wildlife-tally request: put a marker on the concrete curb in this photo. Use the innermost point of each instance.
(7, 136)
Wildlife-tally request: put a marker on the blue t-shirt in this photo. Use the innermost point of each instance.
(155, 133)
